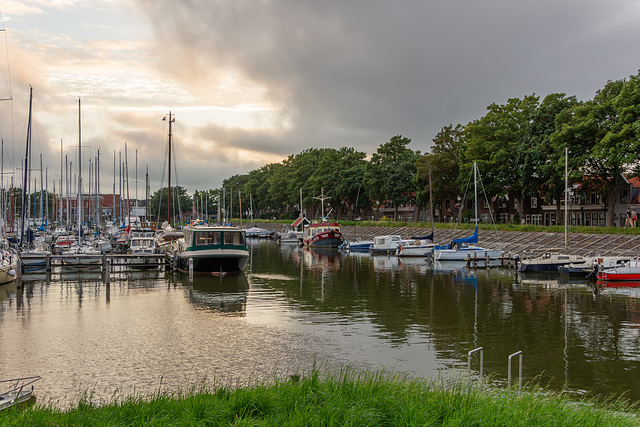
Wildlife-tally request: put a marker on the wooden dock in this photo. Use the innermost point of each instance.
(112, 261)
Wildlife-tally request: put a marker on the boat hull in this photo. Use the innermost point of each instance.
(463, 255)
(215, 261)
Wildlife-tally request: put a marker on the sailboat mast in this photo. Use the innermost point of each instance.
(430, 200)
(169, 186)
(566, 195)
(98, 197)
(26, 170)
(61, 180)
(79, 175)
(475, 186)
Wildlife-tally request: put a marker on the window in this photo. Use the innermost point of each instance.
(534, 202)
(502, 202)
(447, 204)
(469, 204)
(233, 238)
(594, 219)
(624, 196)
(204, 238)
(601, 215)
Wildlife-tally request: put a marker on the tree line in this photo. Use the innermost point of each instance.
(519, 147)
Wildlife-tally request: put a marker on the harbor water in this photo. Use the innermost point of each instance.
(153, 331)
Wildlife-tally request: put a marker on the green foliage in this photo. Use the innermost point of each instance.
(180, 202)
(445, 166)
(391, 172)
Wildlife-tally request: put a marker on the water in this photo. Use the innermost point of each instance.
(152, 331)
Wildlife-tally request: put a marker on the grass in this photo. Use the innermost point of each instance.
(345, 398)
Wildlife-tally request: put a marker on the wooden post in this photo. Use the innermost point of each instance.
(191, 270)
(107, 271)
(48, 263)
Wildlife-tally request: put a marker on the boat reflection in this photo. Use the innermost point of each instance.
(322, 259)
(223, 294)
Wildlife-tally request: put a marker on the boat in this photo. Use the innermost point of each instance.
(386, 244)
(357, 245)
(289, 236)
(464, 248)
(322, 235)
(629, 272)
(549, 261)
(213, 249)
(141, 243)
(16, 391)
(8, 265)
(419, 247)
(591, 266)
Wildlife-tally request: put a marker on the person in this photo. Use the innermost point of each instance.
(627, 220)
(634, 218)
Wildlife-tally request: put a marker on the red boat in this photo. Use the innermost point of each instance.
(630, 272)
(322, 235)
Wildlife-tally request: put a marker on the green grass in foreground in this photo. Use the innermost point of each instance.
(343, 399)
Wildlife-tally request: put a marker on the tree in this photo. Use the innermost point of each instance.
(601, 135)
(493, 141)
(180, 202)
(444, 160)
(391, 171)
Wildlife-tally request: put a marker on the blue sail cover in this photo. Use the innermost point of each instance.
(470, 239)
(428, 237)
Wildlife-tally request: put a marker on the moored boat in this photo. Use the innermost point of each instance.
(214, 249)
(549, 262)
(322, 235)
(629, 272)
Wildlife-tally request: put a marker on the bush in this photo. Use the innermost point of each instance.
(286, 215)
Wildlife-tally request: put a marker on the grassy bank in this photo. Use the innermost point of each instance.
(334, 400)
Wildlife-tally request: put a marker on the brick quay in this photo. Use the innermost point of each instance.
(515, 242)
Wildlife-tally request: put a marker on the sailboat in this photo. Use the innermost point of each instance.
(464, 248)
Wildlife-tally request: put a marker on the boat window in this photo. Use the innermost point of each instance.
(204, 238)
(235, 238)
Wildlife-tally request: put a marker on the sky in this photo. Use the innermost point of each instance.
(251, 82)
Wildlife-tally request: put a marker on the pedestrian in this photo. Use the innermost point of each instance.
(627, 220)
(634, 218)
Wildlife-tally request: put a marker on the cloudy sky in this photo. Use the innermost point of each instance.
(251, 82)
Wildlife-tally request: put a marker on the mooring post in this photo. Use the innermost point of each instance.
(481, 350)
(48, 263)
(19, 273)
(107, 271)
(190, 269)
(518, 353)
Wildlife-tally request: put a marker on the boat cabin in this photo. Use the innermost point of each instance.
(199, 238)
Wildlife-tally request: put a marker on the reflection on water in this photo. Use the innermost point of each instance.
(295, 306)
(224, 294)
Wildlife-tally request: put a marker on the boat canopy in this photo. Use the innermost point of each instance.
(470, 239)
(428, 237)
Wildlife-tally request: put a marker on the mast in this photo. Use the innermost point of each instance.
(475, 187)
(126, 177)
(566, 195)
(171, 120)
(146, 195)
(26, 170)
(98, 197)
(114, 185)
(430, 200)
(79, 176)
(61, 180)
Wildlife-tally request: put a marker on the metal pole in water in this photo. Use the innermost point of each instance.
(518, 353)
(190, 269)
(481, 350)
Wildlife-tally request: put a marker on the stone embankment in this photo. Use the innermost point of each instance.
(515, 242)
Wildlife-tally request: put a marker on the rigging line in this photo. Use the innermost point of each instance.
(464, 197)
(6, 47)
(489, 204)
